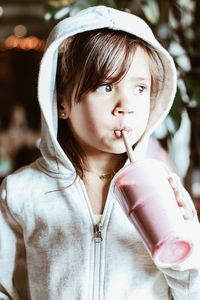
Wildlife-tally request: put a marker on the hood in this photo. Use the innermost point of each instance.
(54, 158)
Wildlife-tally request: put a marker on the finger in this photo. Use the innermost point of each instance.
(183, 198)
(180, 192)
(177, 189)
(188, 214)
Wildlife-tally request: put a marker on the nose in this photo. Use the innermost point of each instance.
(124, 102)
(122, 111)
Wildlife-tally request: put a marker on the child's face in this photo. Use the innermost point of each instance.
(97, 120)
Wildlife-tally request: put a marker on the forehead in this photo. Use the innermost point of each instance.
(139, 65)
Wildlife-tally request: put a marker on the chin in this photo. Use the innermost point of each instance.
(118, 150)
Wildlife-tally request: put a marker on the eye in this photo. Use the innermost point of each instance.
(139, 89)
(104, 88)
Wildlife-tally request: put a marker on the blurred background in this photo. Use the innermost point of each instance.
(24, 27)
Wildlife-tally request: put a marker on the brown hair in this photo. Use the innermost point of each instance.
(88, 59)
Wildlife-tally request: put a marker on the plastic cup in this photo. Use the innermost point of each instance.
(144, 193)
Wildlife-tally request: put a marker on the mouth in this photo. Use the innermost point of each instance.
(118, 132)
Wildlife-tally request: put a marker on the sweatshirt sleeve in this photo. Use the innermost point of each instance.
(13, 277)
(184, 279)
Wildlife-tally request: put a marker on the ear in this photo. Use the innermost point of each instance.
(63, 107)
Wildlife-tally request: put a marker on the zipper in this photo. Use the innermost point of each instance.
(97, 233)
(97, 257)
(97, 240)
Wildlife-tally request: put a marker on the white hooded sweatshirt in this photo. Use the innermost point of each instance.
(48, 247)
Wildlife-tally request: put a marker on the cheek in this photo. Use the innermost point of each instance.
(143, 109)
(95, 115)
(142, 115)
(89, 121)
(145, 113)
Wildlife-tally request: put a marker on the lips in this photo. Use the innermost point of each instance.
(118, 132)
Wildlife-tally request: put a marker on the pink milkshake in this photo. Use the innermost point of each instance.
(144, 193)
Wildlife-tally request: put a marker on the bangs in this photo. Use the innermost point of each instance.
(92, 58)
(88, 59)
(109, 57)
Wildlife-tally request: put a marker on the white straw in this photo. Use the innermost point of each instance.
(129, 149)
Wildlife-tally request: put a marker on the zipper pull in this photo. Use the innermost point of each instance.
(97, 233)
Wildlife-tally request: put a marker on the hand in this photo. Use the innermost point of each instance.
(183, 198)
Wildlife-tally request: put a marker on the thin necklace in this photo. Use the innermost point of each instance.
(102, 176)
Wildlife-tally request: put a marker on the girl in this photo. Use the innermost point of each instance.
(63, 235)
